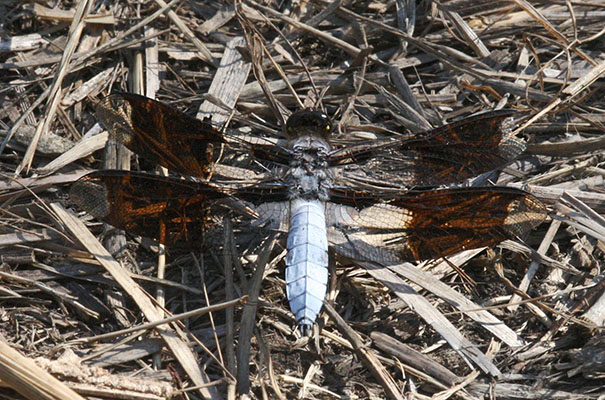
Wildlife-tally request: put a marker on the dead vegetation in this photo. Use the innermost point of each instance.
(531, 325)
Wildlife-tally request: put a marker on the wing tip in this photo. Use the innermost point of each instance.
(91, 196)
(524, 214)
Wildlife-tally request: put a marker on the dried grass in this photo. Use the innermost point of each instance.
(530, 327)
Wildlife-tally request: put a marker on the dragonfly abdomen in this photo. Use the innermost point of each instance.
(307, 261)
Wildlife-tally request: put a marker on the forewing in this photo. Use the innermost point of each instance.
(430, 224)
(449, 154)
(160, 133)
(173, 211)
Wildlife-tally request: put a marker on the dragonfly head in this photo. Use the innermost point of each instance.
(309, 122)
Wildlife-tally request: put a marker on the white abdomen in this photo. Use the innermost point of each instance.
(307, 261)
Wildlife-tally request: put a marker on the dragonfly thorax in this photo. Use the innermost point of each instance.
(308, 174)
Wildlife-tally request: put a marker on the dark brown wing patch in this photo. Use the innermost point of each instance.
(160, 133)
(422, 225)
(446, 222)
(448, 154)
(173, 211)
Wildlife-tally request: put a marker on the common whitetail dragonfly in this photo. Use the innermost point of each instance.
(367, 200)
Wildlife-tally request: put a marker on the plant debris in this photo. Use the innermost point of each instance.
(129, 318)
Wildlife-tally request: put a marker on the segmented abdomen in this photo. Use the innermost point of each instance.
(307, 261)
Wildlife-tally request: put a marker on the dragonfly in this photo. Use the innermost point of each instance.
(374, 200)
